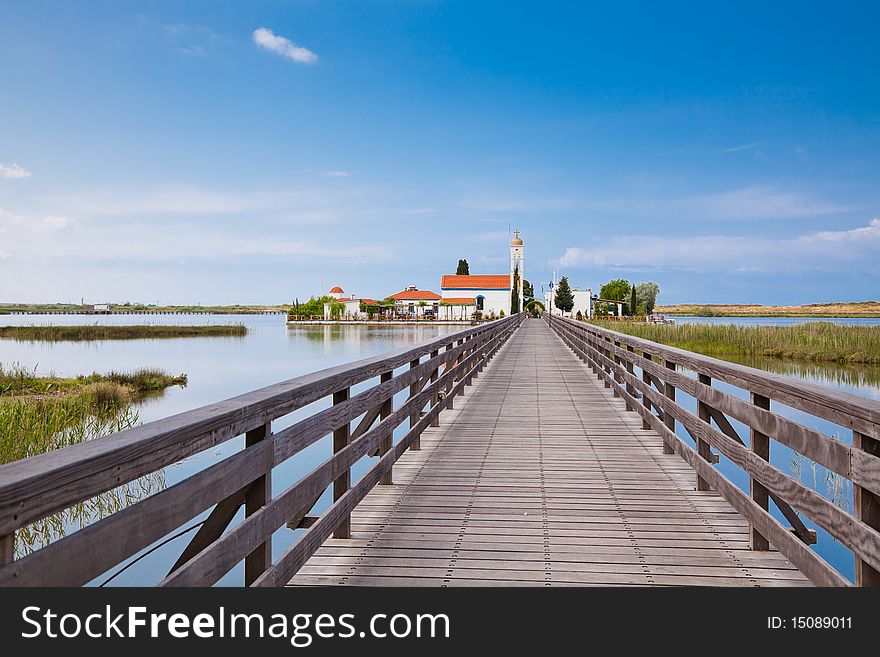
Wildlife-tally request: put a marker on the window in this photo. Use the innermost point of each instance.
(480, 300)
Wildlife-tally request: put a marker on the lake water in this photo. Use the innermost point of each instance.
(219, 368)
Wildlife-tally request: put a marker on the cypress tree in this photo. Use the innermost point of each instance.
(564, 299)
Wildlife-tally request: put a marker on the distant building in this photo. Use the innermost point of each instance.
(413, 302)
(491, 293)
(351, 305)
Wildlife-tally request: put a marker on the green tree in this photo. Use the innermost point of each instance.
(514, 293)
(564, 299)
(632, 300)
(463, 268)
(646, 295)
(616, 290)
(528, 291)
(534, 307)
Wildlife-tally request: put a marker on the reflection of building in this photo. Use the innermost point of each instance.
(414, 302)
(491, 293)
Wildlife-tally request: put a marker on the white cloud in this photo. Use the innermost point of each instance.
(267, 39)
(337, 174)
(12, 222)
(822, 251)
(13, 171)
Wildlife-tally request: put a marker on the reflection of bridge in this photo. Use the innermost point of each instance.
(520, 465)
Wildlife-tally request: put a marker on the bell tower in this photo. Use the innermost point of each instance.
(517, 264)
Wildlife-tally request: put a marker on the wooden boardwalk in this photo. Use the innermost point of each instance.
(540, 477)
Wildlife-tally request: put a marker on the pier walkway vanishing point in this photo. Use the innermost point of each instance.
(518, 452)
(540, 477)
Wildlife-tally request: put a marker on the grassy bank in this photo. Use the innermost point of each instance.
(39, 414)
(810, 341)
(94, 332)
(848, 309)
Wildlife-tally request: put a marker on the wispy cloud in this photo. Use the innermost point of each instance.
(830, 250)
(10, 222)
(742, 147)
(337, 174)
(268, 40)
(196, 40)
(13, 171)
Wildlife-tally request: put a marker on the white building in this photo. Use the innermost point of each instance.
(491, 293)
(413, 302)
(351, 305)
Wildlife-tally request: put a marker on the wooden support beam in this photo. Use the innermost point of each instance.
(668, 420)
(867, 509)
(435, 374)
(415, 389)
(646, 377)
(213, 527)
(258, 494)
(703, 448)
(7, 549)
(342, 483)
(387, 442)
(760, 445)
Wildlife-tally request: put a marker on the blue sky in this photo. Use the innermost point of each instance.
(254, 152)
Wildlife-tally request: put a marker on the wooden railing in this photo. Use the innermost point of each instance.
(647, 375)
(433, 373)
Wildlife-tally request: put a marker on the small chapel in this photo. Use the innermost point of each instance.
(489, 294)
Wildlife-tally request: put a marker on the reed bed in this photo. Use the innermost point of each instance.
(39, 414)
(95, 332)
(809, 341)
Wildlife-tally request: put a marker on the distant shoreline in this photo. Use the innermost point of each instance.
(140, 309)
(849, 310)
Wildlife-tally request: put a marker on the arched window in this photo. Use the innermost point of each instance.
(480, 300)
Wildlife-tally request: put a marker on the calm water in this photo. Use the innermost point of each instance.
(219, 368)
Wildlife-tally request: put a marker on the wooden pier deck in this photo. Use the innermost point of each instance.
(540, 477)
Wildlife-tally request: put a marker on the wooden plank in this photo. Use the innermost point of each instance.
(343, 482)
(567, 492)
(256, 497)
(867, 509)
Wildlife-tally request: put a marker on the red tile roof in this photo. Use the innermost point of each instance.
(460, 301)
(336, 290)
(416, 295)
(476, 282)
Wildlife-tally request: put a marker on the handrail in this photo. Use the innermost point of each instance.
(41, 485)
(647, 374)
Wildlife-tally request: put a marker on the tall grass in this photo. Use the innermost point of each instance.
(809, 341)
(39, 414)
(94, 332)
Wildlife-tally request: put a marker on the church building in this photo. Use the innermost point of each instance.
(487, 293)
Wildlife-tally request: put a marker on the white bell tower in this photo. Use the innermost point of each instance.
(517, 262)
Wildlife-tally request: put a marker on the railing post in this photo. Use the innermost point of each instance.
(760, 445)
(449, 366)
(387, 442)
(703, 448)
(258, 561)
(630, 388)
(668, 419)
(415, 416)
(343, 482)
(7, 549)
(435, 398)
(867, 508)
(647, 380)
(617, 378)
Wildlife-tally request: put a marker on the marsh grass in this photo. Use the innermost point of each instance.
(809, 341)
(96, 332)
(40, 414)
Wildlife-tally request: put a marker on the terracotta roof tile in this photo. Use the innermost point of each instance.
(475, 281)
(460, 301)
(416, 295)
